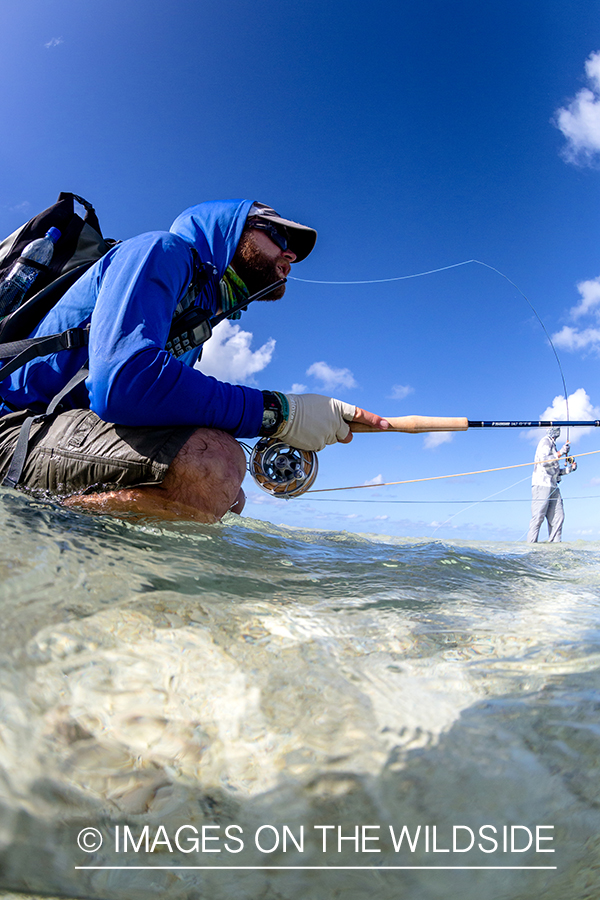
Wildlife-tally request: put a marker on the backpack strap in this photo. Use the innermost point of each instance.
(20, 453)
(77, 378)
(17, 464)
(24, 351)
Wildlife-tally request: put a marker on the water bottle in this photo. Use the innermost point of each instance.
(21, 276)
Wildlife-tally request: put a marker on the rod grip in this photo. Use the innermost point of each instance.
(417, 424)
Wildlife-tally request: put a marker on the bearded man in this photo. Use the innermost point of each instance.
(146, 430)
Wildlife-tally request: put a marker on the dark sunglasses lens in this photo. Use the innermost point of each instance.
(278, 237)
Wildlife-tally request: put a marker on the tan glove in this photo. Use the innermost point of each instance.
(314, 421)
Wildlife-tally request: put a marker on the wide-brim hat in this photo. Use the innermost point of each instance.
(301, 238)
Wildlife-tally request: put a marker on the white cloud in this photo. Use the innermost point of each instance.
(572, 339)
(298, 388)
(590, 297)
(580, 409)
(331, 377)
(580, 120)
(377, 480)
(53, 43)
(436, 438)
(400, 391)
(228, 356)
(587, 337)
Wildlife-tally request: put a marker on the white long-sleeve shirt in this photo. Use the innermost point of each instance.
(545, 474)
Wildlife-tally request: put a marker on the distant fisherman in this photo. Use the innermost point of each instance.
(147, 431)
(546, 501)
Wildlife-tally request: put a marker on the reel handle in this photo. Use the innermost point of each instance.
(416, 424)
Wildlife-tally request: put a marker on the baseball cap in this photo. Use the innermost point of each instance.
(301, 238)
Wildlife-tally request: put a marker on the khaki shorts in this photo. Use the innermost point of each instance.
(76, 452)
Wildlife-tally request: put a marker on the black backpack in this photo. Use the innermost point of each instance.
(80, 245)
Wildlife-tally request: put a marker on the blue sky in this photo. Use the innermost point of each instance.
(413, 137)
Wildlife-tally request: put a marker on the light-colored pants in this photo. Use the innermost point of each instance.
(546, 503)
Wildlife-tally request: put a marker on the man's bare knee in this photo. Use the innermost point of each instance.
(207, 473)
(210, 452)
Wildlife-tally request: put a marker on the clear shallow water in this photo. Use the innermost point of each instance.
(250, 675)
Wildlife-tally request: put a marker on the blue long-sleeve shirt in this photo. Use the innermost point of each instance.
(128, 298)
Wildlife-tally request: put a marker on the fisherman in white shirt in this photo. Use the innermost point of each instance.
(546, 501)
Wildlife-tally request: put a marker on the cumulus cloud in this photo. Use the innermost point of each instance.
(331, 377)
(580, 408)
(590, 297)
(377, 480)
(569, 338)
(586, 337)
(229, 357)
(297, 388)
(54, 42)
(400, 391)
(436, 438)
(579, 121)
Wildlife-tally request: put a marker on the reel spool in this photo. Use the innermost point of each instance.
(281, 470)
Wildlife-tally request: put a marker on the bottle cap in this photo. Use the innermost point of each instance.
(53, 234)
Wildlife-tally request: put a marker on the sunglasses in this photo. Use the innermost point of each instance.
(277, 235)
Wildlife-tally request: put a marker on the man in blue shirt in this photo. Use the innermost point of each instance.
(147, 431)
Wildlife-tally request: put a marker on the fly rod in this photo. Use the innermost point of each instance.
(421, 424)
(287, 472)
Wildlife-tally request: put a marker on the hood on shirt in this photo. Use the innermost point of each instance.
(214, 228)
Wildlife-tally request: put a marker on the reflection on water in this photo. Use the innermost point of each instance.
(246, 676)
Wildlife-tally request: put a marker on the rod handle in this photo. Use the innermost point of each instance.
(417, 424)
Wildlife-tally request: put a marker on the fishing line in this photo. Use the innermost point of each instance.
(383, 280)
(531, 306)
(465, 262)
(503, 500)
(477, 502)
(356, 487)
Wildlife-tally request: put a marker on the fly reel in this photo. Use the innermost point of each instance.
(282, 470)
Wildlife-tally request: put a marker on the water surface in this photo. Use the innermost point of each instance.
(256, 676)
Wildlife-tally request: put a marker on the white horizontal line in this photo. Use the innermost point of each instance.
(302, 868)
